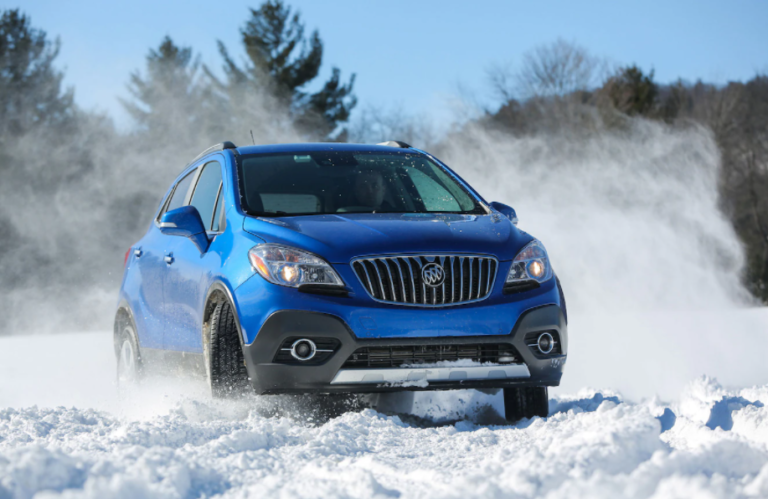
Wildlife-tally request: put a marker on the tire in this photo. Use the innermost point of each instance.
(525, 402)
(227, 373)
(562, 300)
(130, 368)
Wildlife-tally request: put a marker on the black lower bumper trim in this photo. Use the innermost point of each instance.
(270, 377)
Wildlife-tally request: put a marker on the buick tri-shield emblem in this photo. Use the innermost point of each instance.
(433, 275)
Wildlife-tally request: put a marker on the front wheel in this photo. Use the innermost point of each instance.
(226, 364)
(525, 402)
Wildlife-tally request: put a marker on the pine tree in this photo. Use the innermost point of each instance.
(633, 92)
(167, 102)
(282, 62)
(31, 94)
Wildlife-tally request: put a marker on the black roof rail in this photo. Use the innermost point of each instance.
(218, 147)
(395, 143)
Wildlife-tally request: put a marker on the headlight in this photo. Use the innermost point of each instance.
(288, 266)
(532, 263)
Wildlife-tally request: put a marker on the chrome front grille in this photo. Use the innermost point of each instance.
(398, 279)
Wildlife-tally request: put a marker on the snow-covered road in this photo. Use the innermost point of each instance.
(171, 440)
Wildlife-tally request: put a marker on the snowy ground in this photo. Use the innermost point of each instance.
(64, 432)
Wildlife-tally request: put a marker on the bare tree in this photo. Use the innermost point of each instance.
(557, 69)
(738, 117)
(502, 81)
(716, 107)
(378, 125)
(553, 90)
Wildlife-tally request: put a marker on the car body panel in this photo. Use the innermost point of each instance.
(274, 377)
(143, 288)
(258, 299)
(340, 238)
(172, 319)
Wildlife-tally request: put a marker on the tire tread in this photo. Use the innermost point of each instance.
(229, 376)
(525, 402)
(562, 299)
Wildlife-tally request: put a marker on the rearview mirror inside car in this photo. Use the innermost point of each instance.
(186, 222)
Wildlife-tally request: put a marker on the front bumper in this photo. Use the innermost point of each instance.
(329, 376)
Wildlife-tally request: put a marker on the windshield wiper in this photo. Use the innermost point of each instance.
(276, 214)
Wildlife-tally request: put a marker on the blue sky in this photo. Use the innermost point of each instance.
(413, 54)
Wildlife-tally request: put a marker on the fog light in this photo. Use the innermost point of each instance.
(546, 343)
(303, 349)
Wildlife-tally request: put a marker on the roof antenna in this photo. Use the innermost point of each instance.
(254, 140)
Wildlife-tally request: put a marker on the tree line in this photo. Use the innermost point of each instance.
(74, 191)
(560, 88)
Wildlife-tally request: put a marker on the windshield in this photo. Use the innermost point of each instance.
(349, 182)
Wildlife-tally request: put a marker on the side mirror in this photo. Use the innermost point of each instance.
(186, 222)
(505, 210)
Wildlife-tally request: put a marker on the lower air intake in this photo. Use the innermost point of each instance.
(397, 356)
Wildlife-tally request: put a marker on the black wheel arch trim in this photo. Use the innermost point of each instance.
(124, 306)
(220, 286)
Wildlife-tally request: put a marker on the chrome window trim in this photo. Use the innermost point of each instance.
(216, 205)
(435, 256)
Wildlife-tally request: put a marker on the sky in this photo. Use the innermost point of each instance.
(416, 56)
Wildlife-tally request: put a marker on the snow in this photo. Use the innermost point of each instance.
(594, 445)
(62, 369)
(64, 432)
(645, 353)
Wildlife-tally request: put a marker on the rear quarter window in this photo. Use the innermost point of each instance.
(179, 193)
(206, 192)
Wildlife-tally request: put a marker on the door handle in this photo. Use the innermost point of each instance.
(169, 259)
(137, 252)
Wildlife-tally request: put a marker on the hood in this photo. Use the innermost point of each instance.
(341, 237)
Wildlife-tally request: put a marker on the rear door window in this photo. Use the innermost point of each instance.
(206, 192)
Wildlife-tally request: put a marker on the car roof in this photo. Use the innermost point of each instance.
(321, 147)
(306, 147)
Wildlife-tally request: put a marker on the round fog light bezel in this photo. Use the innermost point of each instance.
(312, 349)
(551, 343)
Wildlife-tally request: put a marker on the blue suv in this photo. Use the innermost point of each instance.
(340, 268)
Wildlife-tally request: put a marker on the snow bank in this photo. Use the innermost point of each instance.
(593, 445)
